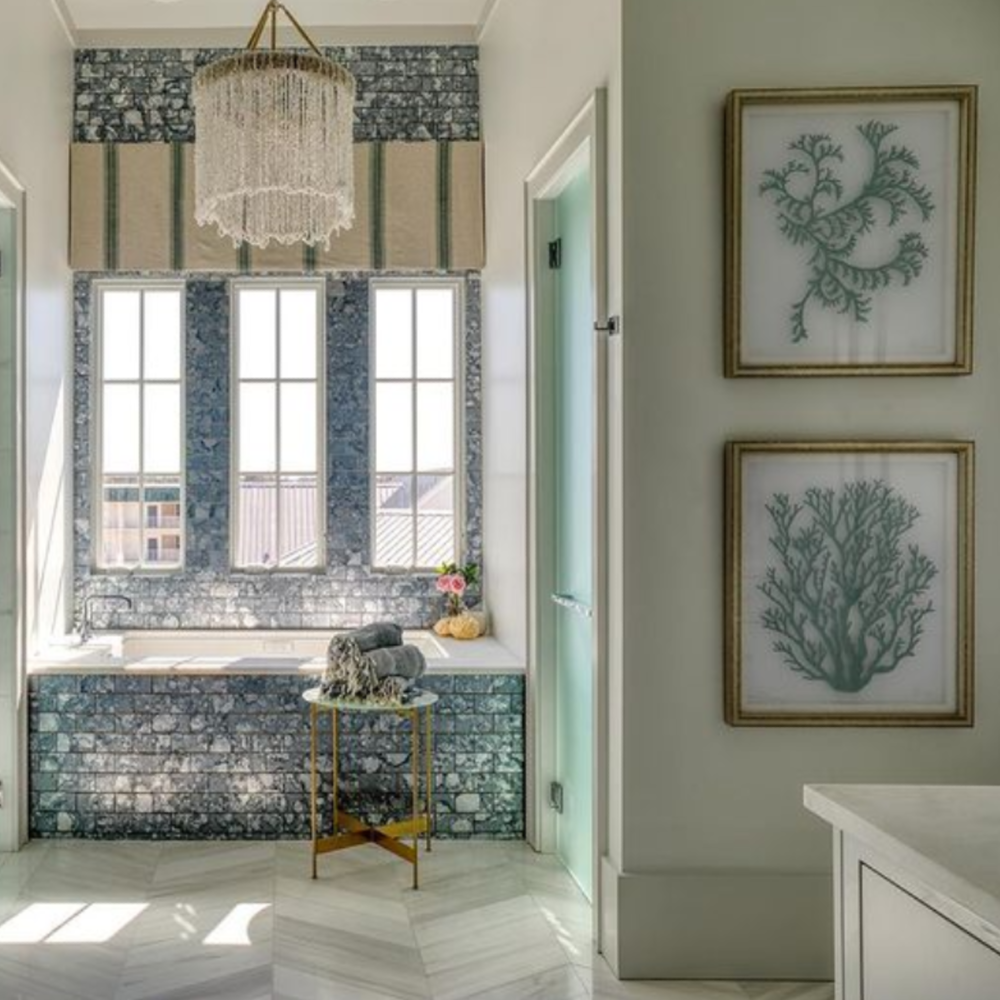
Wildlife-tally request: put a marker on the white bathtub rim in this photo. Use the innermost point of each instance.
(66, 655)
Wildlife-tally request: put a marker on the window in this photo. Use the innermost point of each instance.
(278, 448)
(416, 351)
(139, 426)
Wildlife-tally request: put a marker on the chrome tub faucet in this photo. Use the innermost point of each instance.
(87, 619)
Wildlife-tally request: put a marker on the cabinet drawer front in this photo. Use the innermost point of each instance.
(909, 951)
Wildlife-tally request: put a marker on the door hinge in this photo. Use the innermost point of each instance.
(555, 255)
(556, 796)
(612, 328)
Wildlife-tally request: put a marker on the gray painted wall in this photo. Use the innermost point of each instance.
(714, 813)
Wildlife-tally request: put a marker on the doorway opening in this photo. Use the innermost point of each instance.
(568, 326)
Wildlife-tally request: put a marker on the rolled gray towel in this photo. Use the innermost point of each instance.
(378, 635)
(402, 661)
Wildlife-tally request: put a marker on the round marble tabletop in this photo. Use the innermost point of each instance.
(315, 697)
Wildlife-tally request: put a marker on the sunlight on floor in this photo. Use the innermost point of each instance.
(98, 923)
(235, 928)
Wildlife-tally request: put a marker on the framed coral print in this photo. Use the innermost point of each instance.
(849, 583)
(849, 231)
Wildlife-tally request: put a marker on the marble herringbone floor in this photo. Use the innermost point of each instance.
(198, 921)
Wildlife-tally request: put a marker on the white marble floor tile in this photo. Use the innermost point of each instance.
(602, 985)
(789, 991)
(561, 983)
(482, 949)
(244, 921)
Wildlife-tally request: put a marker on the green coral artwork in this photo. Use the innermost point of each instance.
(817, 213)
(846, 601)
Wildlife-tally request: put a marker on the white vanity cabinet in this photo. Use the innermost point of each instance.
(917, 893)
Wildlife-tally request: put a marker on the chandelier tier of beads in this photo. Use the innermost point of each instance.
(274, 142)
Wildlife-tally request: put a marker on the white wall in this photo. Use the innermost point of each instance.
(723, 871)
(36, 92)
(35, 114)
(539, 64)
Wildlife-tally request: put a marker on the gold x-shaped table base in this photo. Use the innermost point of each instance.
(388, 836)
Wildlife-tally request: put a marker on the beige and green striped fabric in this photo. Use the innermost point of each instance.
(419, 206)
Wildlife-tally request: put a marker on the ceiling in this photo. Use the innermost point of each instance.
(125, 15)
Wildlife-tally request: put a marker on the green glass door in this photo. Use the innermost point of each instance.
(574, 473)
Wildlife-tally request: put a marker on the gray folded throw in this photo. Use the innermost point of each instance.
(403, 661)
(385, 676)
(378, 635)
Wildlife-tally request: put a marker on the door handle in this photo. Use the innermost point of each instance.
(572, 604)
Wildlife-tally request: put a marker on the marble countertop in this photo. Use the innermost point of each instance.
(947, 836)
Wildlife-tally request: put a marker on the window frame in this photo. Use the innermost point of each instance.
(276, 284)
(99, 287)
(414, 284)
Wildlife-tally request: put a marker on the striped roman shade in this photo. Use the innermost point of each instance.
(419, 206)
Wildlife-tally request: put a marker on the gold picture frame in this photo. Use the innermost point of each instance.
(849, 583)
(850, 217)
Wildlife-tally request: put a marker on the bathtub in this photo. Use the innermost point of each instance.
(245, 651)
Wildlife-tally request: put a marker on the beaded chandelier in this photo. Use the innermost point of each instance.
(274, 146)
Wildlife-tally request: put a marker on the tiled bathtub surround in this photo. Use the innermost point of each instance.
(208, 594)
(116, 756)
(406, 93)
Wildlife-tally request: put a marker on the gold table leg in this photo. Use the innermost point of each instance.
(335, 727)
(415, 727)
(314, 717)
(429, 752)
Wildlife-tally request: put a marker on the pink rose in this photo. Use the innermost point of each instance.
(457, 584)
(444, 584)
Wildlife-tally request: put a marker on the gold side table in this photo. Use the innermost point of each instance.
(350, 831)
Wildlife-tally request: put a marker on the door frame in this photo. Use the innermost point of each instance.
(14, 815)
(583, 143)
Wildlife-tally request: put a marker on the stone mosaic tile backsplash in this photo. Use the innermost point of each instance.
(207, 593)
(115, 756)
(408, 93)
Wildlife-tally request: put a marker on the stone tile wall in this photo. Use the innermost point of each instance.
(208, 594)
(404, 92)
(116, 756)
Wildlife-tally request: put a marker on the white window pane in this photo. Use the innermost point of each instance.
(298, 427)
(163, 335)
(394, 523)
(161, 431)
(120, 326)
(394, 427)
(257, 429)
(257, 543)
(435, 427)
(299, 522)
(258, 333)
(121, 530)
(393, 333)
(120, 430)
(435, 333)
(162, 521)
(298, 333)
(435, 520)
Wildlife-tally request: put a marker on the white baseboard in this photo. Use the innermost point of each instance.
(718, 925)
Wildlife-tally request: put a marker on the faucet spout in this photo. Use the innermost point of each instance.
(87, 619)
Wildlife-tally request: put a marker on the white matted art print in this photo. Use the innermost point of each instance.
(850, 217)
(849, 583)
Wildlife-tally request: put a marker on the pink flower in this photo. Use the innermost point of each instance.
(444, 584)
(458, 584)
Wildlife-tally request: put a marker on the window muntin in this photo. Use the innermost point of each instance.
(417, 340)
(278, 410)
(139, 354)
